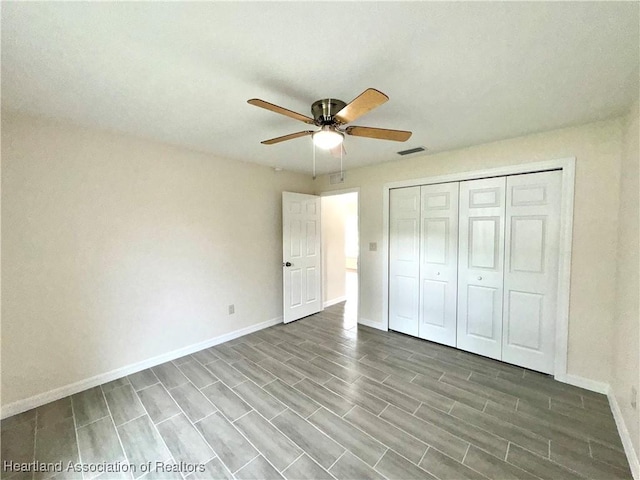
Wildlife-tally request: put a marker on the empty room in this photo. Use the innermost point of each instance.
(320, 240)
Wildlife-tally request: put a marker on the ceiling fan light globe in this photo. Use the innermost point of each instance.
(327, 139)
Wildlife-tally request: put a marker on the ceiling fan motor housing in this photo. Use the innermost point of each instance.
(325, 110)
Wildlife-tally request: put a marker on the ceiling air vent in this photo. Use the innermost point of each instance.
(412, 150)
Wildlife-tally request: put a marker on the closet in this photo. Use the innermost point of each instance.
(474, 265)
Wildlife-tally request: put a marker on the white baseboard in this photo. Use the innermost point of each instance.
(627, 443)
(586, 383)
(370, 323)
(334, 301)
(76, 387)
(601, 387)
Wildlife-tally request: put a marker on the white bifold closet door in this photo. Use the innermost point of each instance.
(439, 262)
(531, 269)
(481, 266)
(404, 259)
(474, 265)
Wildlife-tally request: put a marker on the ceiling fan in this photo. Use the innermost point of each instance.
(331, 115)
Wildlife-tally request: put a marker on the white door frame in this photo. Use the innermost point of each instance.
(568, 167)
(341, 192)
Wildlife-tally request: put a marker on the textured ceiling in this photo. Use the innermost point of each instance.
(457, 73)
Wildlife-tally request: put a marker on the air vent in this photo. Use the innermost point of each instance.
(336, 178)
(412, 150)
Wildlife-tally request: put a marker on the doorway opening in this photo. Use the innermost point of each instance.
(340, 254)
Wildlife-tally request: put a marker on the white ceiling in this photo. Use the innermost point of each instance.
(457, 74)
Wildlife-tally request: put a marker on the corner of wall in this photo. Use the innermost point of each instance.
(625, 436)
(625, 346)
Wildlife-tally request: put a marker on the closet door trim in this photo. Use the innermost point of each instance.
(568, 166)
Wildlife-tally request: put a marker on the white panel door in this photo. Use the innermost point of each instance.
(404, 259)
(531, 269)
(481, 266)
(439, 262)
(301, 259)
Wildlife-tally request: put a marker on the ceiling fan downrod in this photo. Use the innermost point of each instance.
(324, 111)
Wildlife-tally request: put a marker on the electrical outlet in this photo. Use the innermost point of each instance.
(373, 247)
(634, 397)
(232, 309)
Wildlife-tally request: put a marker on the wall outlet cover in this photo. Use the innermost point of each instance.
(373, 247)
(232, 309)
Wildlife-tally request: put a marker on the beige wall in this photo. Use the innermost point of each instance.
(352, 247)
(116, 250)
(626, 346)
(597, 148)
(109, 241)
(333, 255)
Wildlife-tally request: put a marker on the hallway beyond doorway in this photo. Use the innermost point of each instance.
(340, 250)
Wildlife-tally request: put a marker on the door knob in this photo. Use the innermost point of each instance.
(437, 273)
(287, 264)
(479, 278)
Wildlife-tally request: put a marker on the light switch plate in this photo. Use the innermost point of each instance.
(373, 247)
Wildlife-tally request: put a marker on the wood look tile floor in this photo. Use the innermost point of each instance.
(325, 398)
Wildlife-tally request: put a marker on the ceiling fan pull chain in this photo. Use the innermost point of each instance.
(341, 172)
(313, 146)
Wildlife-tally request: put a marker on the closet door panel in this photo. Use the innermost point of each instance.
(531, 269)
(439, 262)
(483, 306)
(481, 266)
(404, 259)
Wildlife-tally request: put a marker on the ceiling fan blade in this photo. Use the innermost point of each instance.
(379, 133)
(363, 103)
(284, 138)
(337, 151)
(281, 110)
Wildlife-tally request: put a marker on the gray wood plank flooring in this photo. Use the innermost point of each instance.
(326, 398)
